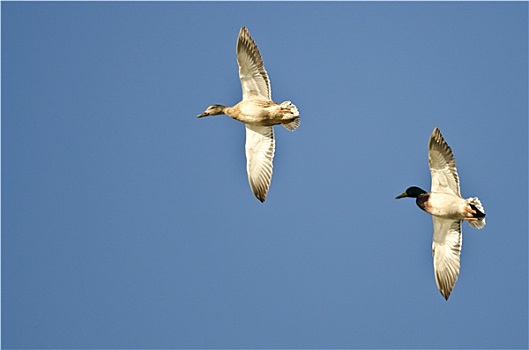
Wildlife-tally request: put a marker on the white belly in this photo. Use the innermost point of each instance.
(447, 206)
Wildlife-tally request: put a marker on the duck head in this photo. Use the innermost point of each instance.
(412, 192)
(212, 110)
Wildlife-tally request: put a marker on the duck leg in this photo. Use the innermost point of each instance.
(470, 210)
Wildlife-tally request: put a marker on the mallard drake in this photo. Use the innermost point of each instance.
(258, 112)
(448, 210)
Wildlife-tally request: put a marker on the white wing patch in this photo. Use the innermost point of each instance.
(254, 79)
(442, 165)
(446, 251)
(260, 147)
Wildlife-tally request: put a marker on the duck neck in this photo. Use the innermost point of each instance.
(422, 201)
(227, 110)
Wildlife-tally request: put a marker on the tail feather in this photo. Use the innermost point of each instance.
(290, 115)
(291, 107)
(293, 125)
(475, 204)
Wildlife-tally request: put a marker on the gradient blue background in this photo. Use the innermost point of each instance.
(129, 223)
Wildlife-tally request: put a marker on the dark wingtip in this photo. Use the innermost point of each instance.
(243, 30)
(260, 196)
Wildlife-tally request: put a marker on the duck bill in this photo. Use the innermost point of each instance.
(402, 195)
(202, 115)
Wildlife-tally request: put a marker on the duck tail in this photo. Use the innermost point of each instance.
(475, 204)
(293, 125)
(290, 115)
(292, 109)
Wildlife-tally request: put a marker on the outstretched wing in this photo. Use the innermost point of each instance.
(254, 79)
(442, 165)
(446, 250)
(260, 147)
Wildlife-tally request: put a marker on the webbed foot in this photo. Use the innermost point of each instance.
(470, 210)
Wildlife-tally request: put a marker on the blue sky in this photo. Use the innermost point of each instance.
(129, 223)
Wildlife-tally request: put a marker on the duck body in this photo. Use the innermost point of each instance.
(259, 112)
(448, 210)
(265, 113)
(446, 206)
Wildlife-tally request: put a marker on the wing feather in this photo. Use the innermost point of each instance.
(260, 147)
(254, 79)
(442, 165)
(446, 251)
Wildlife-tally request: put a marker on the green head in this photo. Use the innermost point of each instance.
(412, 192)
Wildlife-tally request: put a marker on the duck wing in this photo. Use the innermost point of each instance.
(442, 165)
(446, 250)
(254, 79)
(260, 147)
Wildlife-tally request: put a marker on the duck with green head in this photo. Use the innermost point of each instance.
(448, 209)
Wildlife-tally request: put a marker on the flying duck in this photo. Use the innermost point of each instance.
(448, 210)
(259, 113)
